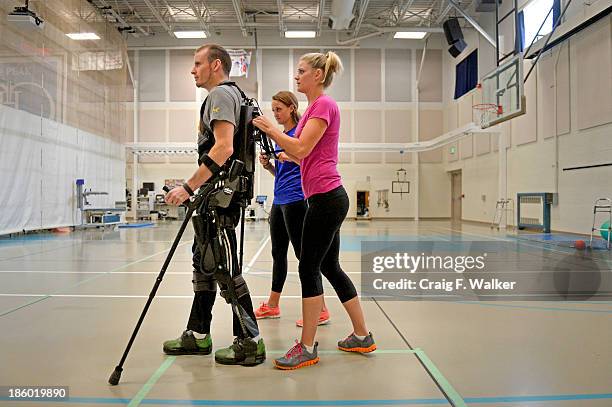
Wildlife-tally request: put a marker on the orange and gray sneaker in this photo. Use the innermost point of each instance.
(323, 319)
(265, 311)
(353, 344)
(297, 357)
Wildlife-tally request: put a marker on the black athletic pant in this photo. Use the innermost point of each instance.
(203, 301)
(285, 225)
(321, 245)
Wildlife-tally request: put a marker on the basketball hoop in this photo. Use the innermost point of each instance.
(501, 95)
(402, 185)
(486, 110)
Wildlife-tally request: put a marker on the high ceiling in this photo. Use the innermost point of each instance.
(149, 17)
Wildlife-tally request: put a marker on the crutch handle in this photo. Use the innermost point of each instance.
(167, 189)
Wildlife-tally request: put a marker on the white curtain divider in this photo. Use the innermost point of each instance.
(40, 161)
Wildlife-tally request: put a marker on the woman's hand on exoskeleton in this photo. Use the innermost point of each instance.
(282, 157)
(264, 124)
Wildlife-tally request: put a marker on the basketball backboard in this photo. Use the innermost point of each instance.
(503, 95)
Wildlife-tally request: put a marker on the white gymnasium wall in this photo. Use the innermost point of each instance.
(569, 110)
(376, 96)
(435, 192)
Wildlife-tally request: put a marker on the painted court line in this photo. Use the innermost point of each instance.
(269, 273)
(40, 252)
(526, 307)
(169, 273)
(527, 399)
(333, 402)
(521, 242)
(45, 296)
(262, 245)
(41, 297)
(142, 393)
(537, 308)
(440, 381)
(449, 390)
(137, 400)
(339, 352)
(88, 272)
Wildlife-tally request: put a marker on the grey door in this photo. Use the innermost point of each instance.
(456, 196)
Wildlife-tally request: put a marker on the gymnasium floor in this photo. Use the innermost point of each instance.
(68, 304)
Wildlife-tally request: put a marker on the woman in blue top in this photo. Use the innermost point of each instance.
(288, 209)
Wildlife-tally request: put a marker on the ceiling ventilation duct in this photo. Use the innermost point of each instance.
(341, 14)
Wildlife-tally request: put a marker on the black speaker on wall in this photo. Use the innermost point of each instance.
(452, 30)
(457, 47)
(454, 36)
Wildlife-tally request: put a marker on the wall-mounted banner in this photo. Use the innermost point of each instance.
(32, 87)
(480, 271)
(241, 60)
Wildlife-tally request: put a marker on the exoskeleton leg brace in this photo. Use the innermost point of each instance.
(216, 239)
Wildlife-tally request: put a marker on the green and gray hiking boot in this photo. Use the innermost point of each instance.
(245, 352)
(188, 344)
(353, 344)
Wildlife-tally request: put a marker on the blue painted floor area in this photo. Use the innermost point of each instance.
(563, 239)
(286, 403)
(551, 237)
(36, 237)
(136, 225)
(352, 243)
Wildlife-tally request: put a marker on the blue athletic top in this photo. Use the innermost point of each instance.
(287, 180)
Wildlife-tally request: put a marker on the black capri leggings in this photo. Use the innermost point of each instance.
(285, 225)
(321, 245)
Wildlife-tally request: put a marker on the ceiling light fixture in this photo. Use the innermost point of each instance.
(190, 34)
(83, 36)
(300, 34)
(410, 35)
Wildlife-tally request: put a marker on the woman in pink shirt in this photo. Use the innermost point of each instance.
(316, 147)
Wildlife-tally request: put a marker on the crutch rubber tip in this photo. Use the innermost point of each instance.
(115, 376)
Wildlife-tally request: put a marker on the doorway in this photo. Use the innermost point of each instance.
(363, 204)
(456, 196)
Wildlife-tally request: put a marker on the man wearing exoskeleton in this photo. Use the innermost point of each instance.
(224, 193)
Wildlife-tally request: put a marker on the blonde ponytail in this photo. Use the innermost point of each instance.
(329, 63)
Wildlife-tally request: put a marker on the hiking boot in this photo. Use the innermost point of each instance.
(353, 344)
(297, 357)
(265, 311)
(244, 351)
(188, 344)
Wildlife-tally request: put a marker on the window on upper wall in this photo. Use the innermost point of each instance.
(532, 16)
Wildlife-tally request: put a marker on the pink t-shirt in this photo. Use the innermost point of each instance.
(319, 169)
